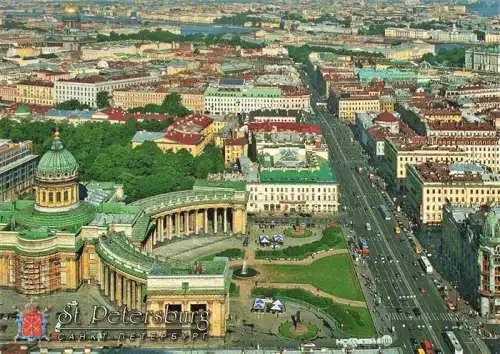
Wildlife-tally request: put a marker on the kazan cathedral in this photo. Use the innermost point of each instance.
(72, 233)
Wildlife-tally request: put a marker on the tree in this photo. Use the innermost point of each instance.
(72, 105)
(104, 153)
(102, 99)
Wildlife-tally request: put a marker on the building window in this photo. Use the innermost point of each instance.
(51, 197)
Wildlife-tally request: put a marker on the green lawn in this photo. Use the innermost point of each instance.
(332, 238)
(231, 253)
(334, 275)
(352, 321)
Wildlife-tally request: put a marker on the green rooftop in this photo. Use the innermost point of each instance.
(322, 175)
(24, 216)
(204, 183)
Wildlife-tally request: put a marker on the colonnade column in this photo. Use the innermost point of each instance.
(205, 221)
(106, 280)
(159, 224)
(128, 291)
(196, 226)
(112, 286)
(133, 297)
(225, 220)
(177, 224)
(215, 220)
(119, 289)
(186, 222)
(139, 297)
(101, 275)
(169, 227)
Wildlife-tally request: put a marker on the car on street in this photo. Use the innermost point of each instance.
(417, 311)
(424, 290)
(246, 241)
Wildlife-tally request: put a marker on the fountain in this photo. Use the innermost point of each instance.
(245, 271)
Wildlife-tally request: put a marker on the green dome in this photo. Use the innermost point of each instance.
(23, 109)
(57, 163)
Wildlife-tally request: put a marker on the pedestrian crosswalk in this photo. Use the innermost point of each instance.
(429, 316)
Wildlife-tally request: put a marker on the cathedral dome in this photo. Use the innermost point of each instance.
(57, 163)
(70, 8)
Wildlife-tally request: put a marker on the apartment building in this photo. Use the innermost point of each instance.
(17, 169)
(347, 107)
(234, 96)
(463, 129)
(85, 89)
(474, 91)
(401, 152)
(138, 96)
(483, 59)
(440, 115)
(234, 149)
(8, 93)
(407, 33)
(431, 185)
(492, 37)
(35, 92)
(469, 256)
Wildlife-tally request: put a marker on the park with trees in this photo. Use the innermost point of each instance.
(104, 153)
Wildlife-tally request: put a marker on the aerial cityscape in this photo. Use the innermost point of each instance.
(242, 176)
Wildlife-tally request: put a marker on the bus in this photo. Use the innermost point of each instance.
(426, 265)
(385, 211)
(453, 342)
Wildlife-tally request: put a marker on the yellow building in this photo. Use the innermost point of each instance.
(234, 149)
(441, 115)
(138, 97)
(400, 153)
(432, 185)
(349, 106)
(387, 104)
(36, 92)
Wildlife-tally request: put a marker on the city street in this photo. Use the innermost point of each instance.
(391, 272)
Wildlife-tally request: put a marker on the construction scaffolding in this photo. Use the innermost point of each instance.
(35, 276)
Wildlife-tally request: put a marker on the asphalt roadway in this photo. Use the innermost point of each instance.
(391, 273)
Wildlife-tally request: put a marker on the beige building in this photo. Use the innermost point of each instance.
(8, 93)
(138, 97)
(431, 185)
(36, 92)
(348, 107)
(399, 154)
(492, 37)
(407, 33)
